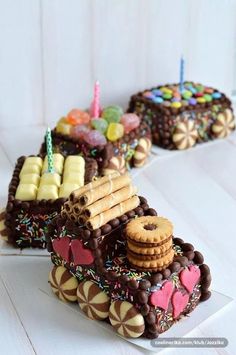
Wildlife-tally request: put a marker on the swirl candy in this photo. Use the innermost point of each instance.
(63, 284)
(126, 319)
(141, 152)
(224, 124)
(185, 134)
(94, 302)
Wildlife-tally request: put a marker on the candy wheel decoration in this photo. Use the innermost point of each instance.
(116, 163)
(126, 319)
(63, 284)
(185, 135)
(224, 124)
(93, 301)
(141, 152)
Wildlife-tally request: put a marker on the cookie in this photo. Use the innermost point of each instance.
(149, 229)
(149, 249)
(141, 152)
(185, 135)
(116, 163)
(157, 264)
(126, 319)
(63, 284)
(93, 301)
(224, 124)
(3, 231)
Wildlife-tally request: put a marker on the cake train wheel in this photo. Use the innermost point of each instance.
(92, 300)
(126, 319)
(3, 231)
(224, 124)
(63, 284)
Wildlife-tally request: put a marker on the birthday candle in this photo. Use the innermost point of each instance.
(181, 81)
(95, 106)
(49, 150)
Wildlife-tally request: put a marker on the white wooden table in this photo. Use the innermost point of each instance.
(196, 189)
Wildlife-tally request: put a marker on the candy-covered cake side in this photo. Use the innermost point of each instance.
(179, 120)
(117, 141)
(122, 264)
(36, 196)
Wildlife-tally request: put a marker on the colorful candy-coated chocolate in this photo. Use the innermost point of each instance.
(176, 99)
(158, 99)
(207, 97)
(130, 121)
(209, 90)
(99, 124)
(166, 103)
(157, 92)
(95, 138)
(201, 100)
(112, 114)
(167, 96)
(192, 101)
(148, 94)
(115, 131)
(200, 88)
(176, 104)
(199, 94)
(216, 95)
(187, 94)
(193, 90)
(79, 131)
(76, 117)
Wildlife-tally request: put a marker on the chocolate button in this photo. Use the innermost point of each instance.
(156, 278)
(133, 284)
(144, 284)
(205, 296)
(198, 258)
(145, 309)
(142, 297)
(189, 254)
(178, 241)
(182, 260)
(175, 266)
(166, 273)
(187, 247)
(204, 269)
(151, 212)
(150, 318)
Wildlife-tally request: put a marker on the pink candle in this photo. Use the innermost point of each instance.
(96, 101)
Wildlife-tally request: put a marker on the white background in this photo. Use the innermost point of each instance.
(51, 51)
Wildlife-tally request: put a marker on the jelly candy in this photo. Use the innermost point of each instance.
(76, 117)
(79, 131)
(112, 114)
(130, 121)
(95, 138)
(208, 97)
(63, 127)
(115, 131)
(99, 124)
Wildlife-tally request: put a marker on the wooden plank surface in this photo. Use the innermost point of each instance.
(195, 189)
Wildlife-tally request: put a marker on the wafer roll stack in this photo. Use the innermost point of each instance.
(75, 195)
(99, 192)
(114, 212)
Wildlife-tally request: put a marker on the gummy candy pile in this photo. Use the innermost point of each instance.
(112, 124)
(192, 94)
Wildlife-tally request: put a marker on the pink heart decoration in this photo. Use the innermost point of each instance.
(179, 302)
(62, 247)
(161, 298)
(81, 255)
(189, 277)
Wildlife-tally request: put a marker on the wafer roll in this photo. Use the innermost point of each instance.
(114, 212)
(106, 189)
(74, 196)
(110, 201)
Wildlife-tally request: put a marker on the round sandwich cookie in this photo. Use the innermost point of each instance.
(63, 284)
(92, 300)
(149, 229)
(126, 319)
(224, 124)
(141, 152)
(158, 264)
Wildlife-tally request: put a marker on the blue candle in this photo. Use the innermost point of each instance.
(181, 80)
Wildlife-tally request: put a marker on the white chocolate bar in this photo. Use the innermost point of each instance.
(57, 165)
(34, 161)
(56, 157)
(30, 169)
(30, 179)
(73, 178)
(47, 192)
(66, 189)
(50, 179)
(75, 159)
(26, 192)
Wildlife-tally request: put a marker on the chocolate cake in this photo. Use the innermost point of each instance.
(180, 119)
(120, 261)
(117, 141)
(36, 196)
